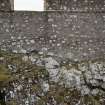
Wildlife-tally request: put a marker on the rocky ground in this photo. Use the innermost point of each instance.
(35, 78)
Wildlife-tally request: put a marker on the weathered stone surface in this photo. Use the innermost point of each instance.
(76, 5)
(23, 29)
(37, 78)
(69, 35)
(54, 57)
(81, 35)
(6, 5)
(5, 25)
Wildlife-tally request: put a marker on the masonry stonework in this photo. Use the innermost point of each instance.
(6, 5)
(79, 33)
(54, 57)
(75, 5)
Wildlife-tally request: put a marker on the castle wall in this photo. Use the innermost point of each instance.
(80, 34)
(6, 5)
(76, 5)
(35, 45)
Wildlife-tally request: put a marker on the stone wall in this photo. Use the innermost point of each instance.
(76, 5)
(79, 33)
(6, 5)
(19, 26)
(74, 35)
(54, 51)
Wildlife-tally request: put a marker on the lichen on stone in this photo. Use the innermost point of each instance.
(51, 81)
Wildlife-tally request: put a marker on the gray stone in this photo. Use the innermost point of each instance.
(75, 5)
(6, 5)
(69, 33)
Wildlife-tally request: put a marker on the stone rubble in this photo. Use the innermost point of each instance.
(87, 77)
